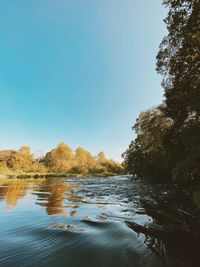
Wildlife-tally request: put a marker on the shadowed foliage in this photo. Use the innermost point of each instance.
(168, 137)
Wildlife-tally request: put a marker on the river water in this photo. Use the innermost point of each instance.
(76, 222)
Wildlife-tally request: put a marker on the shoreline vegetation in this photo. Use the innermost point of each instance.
(55, 175)
(61, 161)
(167, 148)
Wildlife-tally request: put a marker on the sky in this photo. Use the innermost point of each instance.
(77, 71)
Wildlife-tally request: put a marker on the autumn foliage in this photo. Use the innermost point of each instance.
(60, 160)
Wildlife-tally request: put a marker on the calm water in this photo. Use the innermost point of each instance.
(74, 222)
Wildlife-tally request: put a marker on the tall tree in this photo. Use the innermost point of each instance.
(179, 62)
(179, 59)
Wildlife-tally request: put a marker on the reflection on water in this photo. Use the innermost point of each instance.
(75, 222)
(52, 195)
(12, 190)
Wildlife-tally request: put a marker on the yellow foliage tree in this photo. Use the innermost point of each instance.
(23, 159)
(84, 161)
(60, 159)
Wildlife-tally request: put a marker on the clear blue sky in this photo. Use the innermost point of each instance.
(77, 71)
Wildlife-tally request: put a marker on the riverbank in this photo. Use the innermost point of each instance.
(57, 175)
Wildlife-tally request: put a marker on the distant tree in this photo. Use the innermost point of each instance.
(59, 159)
(8, 157)
(84, 161)
(4, 168)
(109, 165)
(23, 159)
(101, 156)
(112, 166)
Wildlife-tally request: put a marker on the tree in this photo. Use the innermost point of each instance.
(101, 156)
(59, 159)
(168, 138)
(8, 157)
(4, 168)
(23, 159)
(109, 165)
(179, 57)
(84, 161)
(146, 156)
(179, 62)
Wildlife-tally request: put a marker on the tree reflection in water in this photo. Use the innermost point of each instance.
(12, 190)
(175, 230)
(48, 209)
(53, 194)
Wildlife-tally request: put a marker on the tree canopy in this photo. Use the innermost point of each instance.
(146, 155)
(60, 160)
(173, 151)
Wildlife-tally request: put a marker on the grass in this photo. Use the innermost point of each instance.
(24, 175)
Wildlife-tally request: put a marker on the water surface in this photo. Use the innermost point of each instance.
(74, 222)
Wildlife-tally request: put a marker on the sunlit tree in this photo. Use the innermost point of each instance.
(24, 159)
(59, 159)
(84, 161)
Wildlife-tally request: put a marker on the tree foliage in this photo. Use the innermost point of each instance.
(84, 161)
(146, 155)
(174, 152)
(179, 59)
(179, 62)
(23, 159)
(60, 160)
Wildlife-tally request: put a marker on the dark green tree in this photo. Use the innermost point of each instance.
(174, 151)
(146, 156)
(179, 62)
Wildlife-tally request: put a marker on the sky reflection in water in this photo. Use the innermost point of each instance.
(71, 222)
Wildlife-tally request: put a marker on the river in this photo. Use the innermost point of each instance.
(76, 222)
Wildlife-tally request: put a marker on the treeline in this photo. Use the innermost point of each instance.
(60, 160)
(167, 145)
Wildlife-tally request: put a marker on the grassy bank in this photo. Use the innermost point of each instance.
(49, 175)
